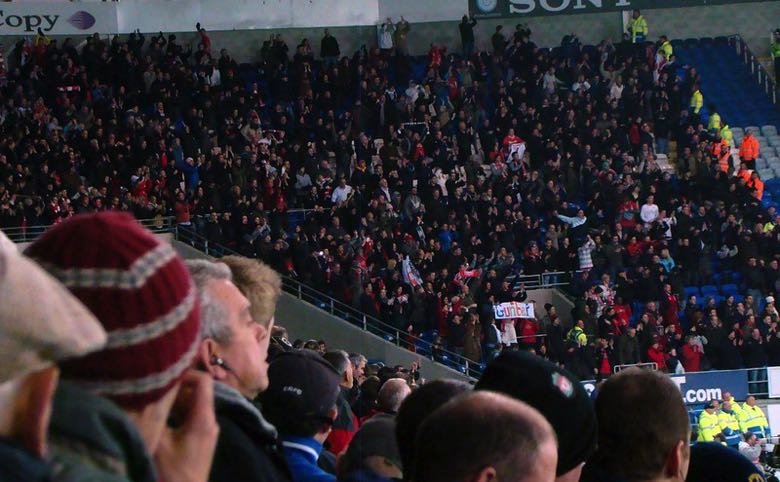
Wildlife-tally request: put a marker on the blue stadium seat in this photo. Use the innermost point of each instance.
(709, 290)
(692, 290)
(729, 289)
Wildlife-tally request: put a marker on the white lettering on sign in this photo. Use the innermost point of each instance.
(581, 4)
(528, 6)
(546, 5)
(525, 6)
(698, 395)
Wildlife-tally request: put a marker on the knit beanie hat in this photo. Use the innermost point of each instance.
(556, 393)
(140, 291)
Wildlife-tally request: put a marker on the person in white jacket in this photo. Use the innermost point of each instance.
(649, 211)
(386, 31)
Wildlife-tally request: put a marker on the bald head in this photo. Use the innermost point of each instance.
(485, 436)
(392, 393)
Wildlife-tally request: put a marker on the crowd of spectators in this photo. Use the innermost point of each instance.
(417, 188)
(140, 367)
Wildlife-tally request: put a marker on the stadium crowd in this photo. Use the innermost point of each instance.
(427, 184)
(139, 367)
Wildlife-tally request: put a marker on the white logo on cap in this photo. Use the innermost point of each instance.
(291, 389)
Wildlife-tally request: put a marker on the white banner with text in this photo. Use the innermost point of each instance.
(513, 309)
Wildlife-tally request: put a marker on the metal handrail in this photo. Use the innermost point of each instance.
(28, 234)
(756, 68)
(367, 323)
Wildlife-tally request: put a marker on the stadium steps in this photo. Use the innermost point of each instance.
(728, 83)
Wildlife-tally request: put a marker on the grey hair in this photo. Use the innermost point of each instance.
(392, 394)
(356, 358)
(213, 314)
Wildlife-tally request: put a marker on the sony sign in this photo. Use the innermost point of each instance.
(528, 6)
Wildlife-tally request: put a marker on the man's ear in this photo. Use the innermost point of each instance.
(206, 359)
(677, 462)
(32, 409)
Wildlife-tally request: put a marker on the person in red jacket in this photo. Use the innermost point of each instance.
(528, 331)
(670, 306)
(691, 355)
(656, 355)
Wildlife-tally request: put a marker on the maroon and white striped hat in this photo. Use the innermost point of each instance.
(140, 291)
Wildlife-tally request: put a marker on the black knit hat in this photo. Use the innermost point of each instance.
(555, 393)
(301, 384)
(713, 462)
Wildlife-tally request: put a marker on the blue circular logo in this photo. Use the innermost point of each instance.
(487, 6)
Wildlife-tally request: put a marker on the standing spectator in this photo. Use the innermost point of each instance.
(300, 402)
(638, 27)
(386, 33)
(466, 28)
(346, 423)
(106, 399)
(774, 49)
(36, 334)
(402, 29)
(628, 348)
(754, 350)
(472, 343)
(329, 49)
(234, 349)
(691, 355)
(649, 211)
(498, 41)
(584, 254)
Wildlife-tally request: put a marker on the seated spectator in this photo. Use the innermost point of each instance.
(129, 280)
(234, 349)
(657, 413)
(558, 396)
(300, 402)
(485, 436)
(36, 334)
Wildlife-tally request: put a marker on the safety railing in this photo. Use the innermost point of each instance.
(28, 234)
(543, 280)
(757, 69)
(367, 323)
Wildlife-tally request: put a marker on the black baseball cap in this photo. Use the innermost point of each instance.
(555, 393)
(714, 462)
(301, 384)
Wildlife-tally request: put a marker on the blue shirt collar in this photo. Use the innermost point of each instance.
(308, 446)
